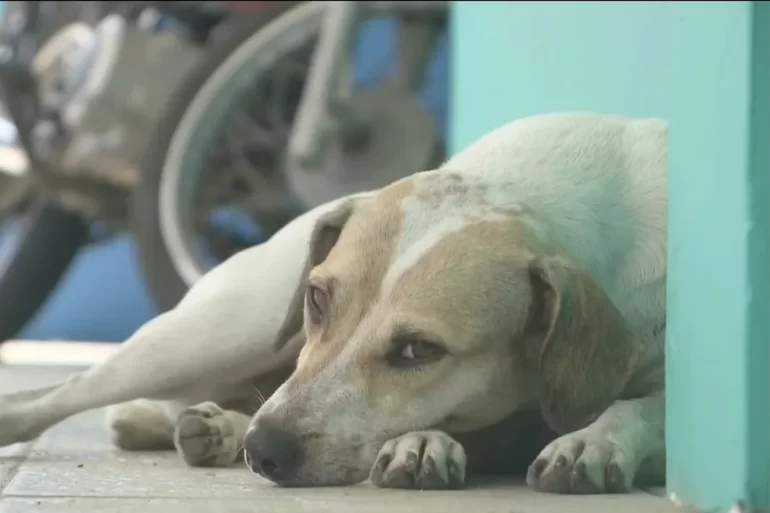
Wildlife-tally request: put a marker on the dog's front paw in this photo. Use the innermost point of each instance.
(205, 437)
(422, 460)
(585, 461)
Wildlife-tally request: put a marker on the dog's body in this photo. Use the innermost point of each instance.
(444, 314)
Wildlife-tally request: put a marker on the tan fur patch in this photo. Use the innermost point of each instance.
(459, 277)
(362, 255)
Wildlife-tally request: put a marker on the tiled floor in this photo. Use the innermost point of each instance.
(73, 469)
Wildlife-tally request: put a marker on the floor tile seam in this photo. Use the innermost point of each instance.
(21, 458)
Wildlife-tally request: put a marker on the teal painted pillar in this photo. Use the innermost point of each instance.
(717, 352)
(514, 59)
(702, 65)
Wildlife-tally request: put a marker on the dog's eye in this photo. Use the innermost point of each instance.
(414, 353)
(318, 303)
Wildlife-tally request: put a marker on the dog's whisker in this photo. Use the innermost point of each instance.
(260, 396)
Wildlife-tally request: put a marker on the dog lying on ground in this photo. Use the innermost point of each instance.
(507, 307)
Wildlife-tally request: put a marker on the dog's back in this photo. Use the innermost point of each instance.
(593, 186)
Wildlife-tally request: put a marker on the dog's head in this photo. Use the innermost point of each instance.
(427, 306)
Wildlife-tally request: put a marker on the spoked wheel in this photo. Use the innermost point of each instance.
(216, 177)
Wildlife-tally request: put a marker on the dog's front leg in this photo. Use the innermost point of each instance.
(131, 373)
(624, 447)
(171, 356)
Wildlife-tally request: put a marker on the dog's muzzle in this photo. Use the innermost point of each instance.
(272, 451)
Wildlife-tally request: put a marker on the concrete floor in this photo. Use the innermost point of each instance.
(73, 469)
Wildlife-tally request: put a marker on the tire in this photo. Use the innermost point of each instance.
(162, 278)
(196, 108)
(44, 253)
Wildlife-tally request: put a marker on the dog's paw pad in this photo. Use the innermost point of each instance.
(194, 438)
(202, 437)
(427, 460)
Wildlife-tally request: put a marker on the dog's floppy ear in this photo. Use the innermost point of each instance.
(325, 234)
(585, 353)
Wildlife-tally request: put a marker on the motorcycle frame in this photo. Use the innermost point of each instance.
(323, 105)
(322, 110)
(94, 197)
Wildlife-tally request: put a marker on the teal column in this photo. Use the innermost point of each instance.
(702, 65)
(515, 59)
(717, 356)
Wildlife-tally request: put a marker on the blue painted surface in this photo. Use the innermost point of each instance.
(703, 66)
(516, 59)
(102, 296)
(717, 351)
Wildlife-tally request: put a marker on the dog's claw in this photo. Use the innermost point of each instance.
(430, 478)
(615, 479)
(429, 460)
(578, 463)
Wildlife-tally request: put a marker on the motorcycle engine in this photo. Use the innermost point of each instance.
(102, 89)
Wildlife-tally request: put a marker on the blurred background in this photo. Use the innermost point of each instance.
(83, 245)
(142, 143)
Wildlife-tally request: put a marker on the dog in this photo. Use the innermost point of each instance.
(505, 311)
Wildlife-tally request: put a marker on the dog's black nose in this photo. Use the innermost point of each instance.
(272, 451)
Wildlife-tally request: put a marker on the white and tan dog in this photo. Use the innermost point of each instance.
(445, 316)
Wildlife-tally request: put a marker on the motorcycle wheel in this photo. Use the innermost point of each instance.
(161, 270)
(269, 50)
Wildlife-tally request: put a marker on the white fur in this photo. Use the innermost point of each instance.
(604, 206)
(607, 208)
(590, 187)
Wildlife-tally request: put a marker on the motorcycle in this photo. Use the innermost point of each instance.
(204, 143)
(68, 138)
(310, 102)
